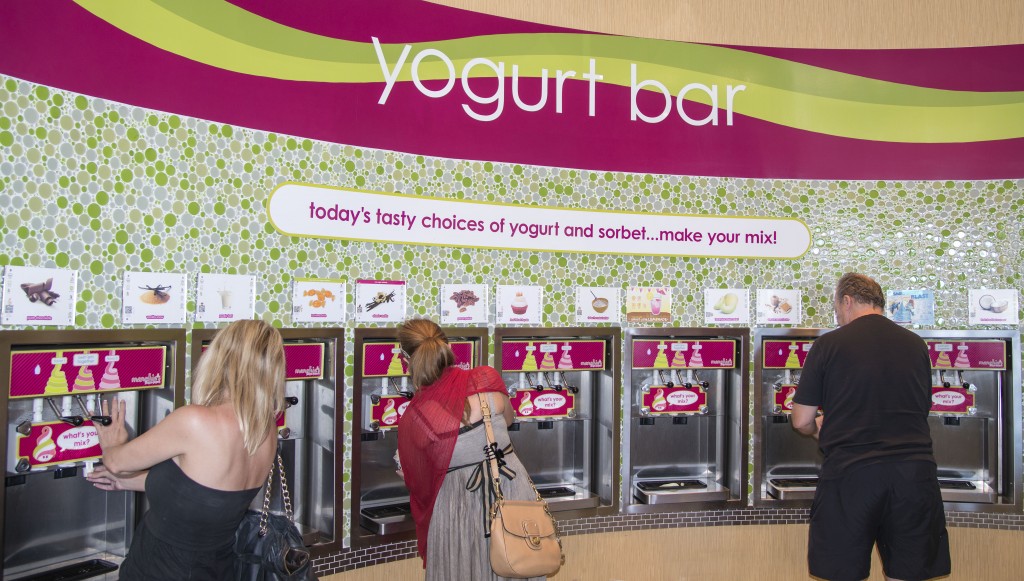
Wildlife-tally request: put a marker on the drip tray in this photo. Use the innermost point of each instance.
(793, 488)
(966, 491)
(386, 519)
(679, 490)
(567, 497)
(83, 570)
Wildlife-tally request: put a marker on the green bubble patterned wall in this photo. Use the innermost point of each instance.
(102, 187)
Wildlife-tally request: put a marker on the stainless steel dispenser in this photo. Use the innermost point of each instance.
(56, 525)
(686, 439)
(310, 429)
(975, 418)
(381, 391)
(786, 464)
(564, 384)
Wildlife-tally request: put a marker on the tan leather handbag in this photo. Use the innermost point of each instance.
(524, 540)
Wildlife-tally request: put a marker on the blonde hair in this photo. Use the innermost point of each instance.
(244, 366)
(428, 350)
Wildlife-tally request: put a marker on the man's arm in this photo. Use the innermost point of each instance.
(805, 419)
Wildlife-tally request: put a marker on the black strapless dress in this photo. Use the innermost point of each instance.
(189, 531)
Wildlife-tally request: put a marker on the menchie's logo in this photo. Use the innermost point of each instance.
(723, 362)
(308, 371)
(151, 379)
(592, 363)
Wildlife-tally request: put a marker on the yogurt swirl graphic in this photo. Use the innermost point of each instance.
(660, 403)
(526, 406)
(389, 416)
(45, 449)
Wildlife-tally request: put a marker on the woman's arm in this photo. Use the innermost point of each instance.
(104, 479)
(170, 437)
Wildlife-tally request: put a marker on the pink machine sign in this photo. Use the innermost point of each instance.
(66, 372)
(385, 414)
(669, 354)
(784, 399)
(785, 354)
(303, 361)
(951, 400)
(661, 400)
(543, 405)
(57, 443)
(967, 355)
(386, 359)
(581, 355)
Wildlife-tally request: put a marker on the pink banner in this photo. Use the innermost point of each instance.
(543, 405)
(951, 400)
(303, 360)
(684, 354)
(580, 355)
(785, 354)
(57, 443)
(674, 400)
(386, 359)
(967, 355)
(388, 411)
(59, 372)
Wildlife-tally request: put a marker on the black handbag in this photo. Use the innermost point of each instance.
(268, 546)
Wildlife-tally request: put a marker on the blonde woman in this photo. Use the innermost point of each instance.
(203, 464)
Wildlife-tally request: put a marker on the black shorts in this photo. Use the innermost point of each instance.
(896, 504)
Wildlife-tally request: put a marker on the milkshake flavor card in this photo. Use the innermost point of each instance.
(996, 306)
(597, 304)
(39, 296)
(223, 298)
(648, 304)
(910, 307)
(726, 306)
(153, 298)
(778, 307)
(463, 303)
(318, 301)
(519, 305)
(380, 301)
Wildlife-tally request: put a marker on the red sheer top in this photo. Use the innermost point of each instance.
(427, 434)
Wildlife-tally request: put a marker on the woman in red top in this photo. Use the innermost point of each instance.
(441, 444)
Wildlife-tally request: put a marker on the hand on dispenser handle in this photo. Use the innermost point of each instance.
(115, 434)
(104, 479)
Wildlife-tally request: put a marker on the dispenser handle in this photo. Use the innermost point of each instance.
(103, 420)
(291, 400)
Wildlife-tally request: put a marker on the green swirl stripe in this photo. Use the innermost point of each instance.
(805, 97)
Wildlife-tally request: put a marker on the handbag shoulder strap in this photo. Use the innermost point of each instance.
(492, 458)
(285, 495)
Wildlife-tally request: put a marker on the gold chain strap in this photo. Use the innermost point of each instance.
(285, 495)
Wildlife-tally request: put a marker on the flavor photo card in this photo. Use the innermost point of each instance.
(380, 301)
(726, 306)
(910, 307)
(153, 298)
(225, 297)
(463, 303)
(519, 304)
(598, 304)
(39, 296)
(648, 304)
(316, 300)
(996, 306)
(778, 307)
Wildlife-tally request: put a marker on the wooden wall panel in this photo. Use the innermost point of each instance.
(790, 23)
(729, 553)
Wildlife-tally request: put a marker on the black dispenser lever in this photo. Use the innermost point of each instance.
(73, 420)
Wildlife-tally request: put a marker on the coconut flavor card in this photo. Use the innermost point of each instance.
(463, 303)
(39, 296)
(519, 304)
(597, 304)
(317, 300)
(153, 298)
(997, 306)
(778, 307)
(222, 298)
(910, 307)
(380, 301)
(648, 304)
(726, 306)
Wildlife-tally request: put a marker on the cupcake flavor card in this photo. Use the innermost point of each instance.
(996, 306)
(223, 298)
(597, 304)
(39, 296)
(517, 304)
(153, 298)
(463, 303)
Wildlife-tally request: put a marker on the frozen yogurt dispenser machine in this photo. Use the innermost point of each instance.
(309, 430)
(381, 392)
(687, 405)
(975, 418)
(56, 525)
(564, 384)
(786, 463)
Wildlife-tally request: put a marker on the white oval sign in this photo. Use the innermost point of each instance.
(401, 409)
(549, 401)
(682, 398)
(78, 438)
(948, 398)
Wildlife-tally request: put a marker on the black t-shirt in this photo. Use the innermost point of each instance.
(872, 380)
